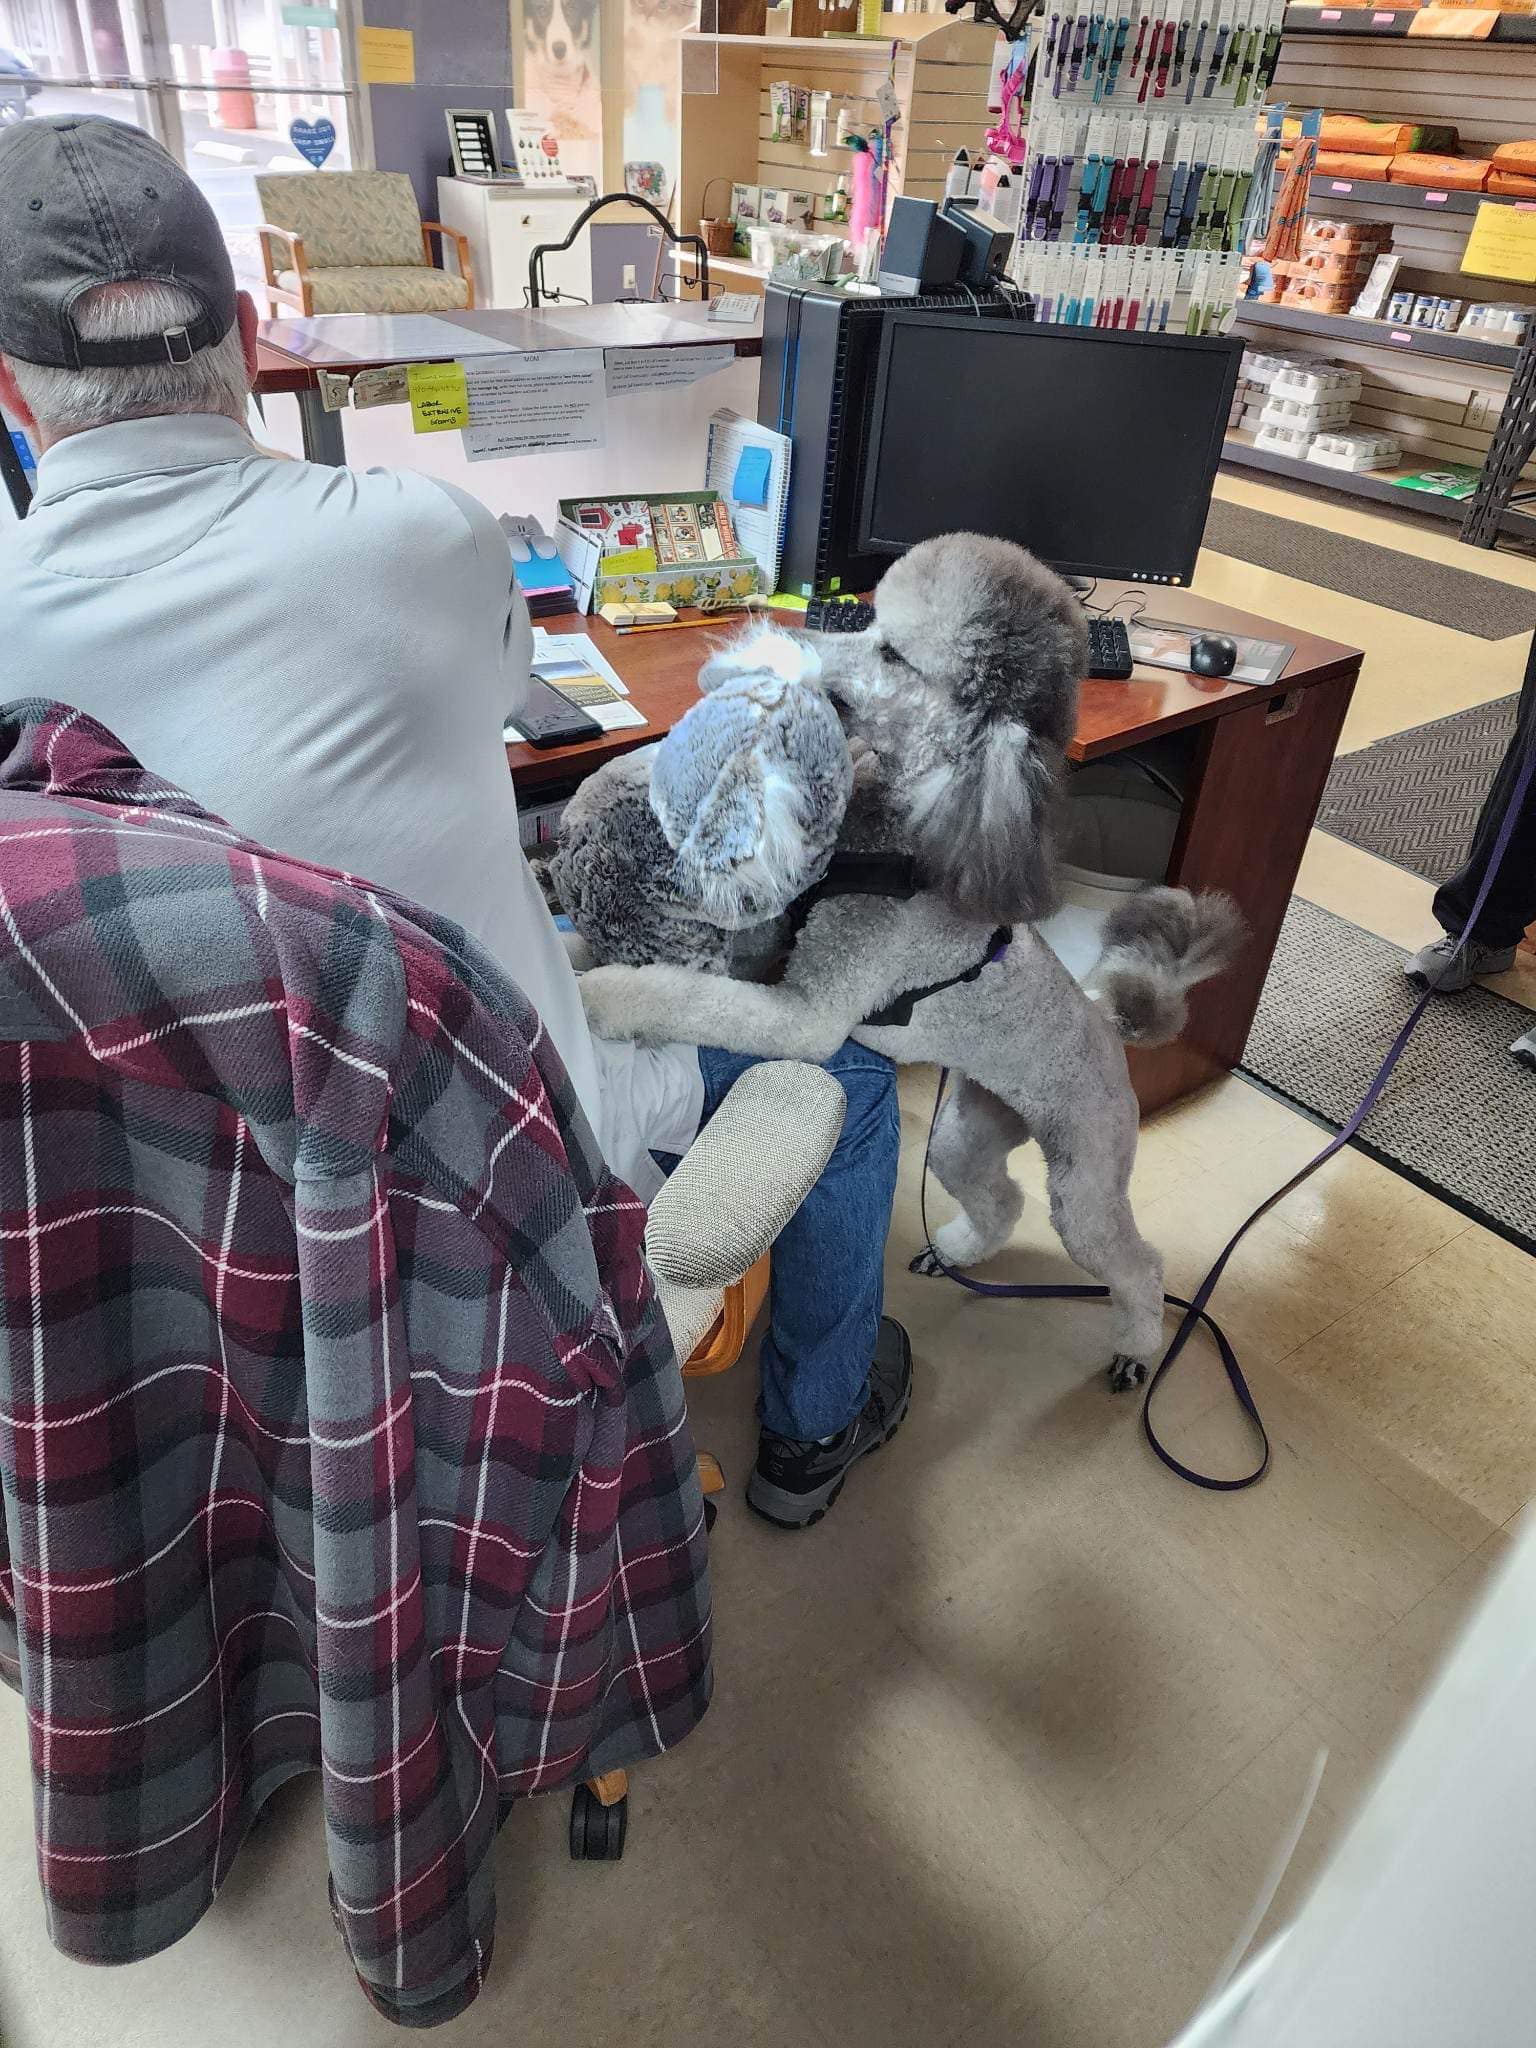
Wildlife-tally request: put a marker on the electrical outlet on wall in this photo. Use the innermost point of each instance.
(1483, 409)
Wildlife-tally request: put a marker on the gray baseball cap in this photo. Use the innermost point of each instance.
(87, 202)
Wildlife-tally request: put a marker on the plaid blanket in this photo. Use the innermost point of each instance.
(339, 1429)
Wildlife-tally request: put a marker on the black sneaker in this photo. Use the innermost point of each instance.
(795, 1483)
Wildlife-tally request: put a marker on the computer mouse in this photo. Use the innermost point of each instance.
(1213, 654)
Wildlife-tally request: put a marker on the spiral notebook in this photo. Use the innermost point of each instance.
(749, 466)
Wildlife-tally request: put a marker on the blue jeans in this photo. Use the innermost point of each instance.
(829, 1262)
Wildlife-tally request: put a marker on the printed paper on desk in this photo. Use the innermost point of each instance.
(664, 369)
(570, 663)
(526, 404)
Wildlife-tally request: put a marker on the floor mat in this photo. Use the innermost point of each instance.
(1457, 1113)
(1458, 598)
(1413, 799)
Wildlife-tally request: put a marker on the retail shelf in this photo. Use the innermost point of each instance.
(908, 30)
(1376, 485)
(1387, 25)
(1419, 341)
(737, 266)
(1414, 198)
(1239, 450)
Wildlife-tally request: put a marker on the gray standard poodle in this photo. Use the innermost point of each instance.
(959, 703)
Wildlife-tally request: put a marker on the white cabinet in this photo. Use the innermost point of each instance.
(505, 223)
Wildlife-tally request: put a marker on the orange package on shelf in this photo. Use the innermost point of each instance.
(1345, 163)
(1334, 266)
(1511, 185)
(1515, 156)
(1455, 24)
(1443, 173)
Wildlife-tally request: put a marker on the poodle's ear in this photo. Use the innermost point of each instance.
(982, 830)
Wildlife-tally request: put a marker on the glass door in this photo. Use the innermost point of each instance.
(235, 89)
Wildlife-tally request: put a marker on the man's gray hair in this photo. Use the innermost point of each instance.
(73, 401)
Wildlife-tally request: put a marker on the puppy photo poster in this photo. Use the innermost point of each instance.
(562, 78)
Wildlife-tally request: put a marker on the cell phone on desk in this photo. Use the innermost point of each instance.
(548, 719)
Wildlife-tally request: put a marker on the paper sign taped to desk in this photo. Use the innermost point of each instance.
(439, 397)
(664, 369)
(544, 399)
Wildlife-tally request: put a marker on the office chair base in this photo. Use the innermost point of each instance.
(600, 1819)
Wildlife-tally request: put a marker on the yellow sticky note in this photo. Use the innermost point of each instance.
(1502, 244)
(631, 562)
(386, 56)
(439, 397)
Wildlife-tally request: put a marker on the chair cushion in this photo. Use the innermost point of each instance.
(347, 217)
(379, 288)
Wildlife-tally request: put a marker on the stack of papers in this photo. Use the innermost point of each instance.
(570, 663)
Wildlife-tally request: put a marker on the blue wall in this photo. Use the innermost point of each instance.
(463, 59)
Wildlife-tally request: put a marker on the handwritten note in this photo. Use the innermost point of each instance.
(439, 397)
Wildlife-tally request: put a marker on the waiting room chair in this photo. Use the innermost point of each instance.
(355, 242)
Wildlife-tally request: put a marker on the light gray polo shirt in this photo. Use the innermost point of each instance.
(325, 658)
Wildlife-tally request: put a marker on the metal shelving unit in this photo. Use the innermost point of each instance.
(1419, 341)
(1381, 25)
(1410, 198)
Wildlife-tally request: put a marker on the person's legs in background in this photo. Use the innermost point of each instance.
(1511, 905)
(836, 1378)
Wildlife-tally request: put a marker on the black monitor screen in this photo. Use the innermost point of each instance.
(1094, 450)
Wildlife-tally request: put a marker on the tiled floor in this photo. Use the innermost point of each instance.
(1001, 1753)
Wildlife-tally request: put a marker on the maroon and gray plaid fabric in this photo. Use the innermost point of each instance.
(339, 1428)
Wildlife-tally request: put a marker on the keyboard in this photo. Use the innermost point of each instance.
(1109, 651)
(839, 615)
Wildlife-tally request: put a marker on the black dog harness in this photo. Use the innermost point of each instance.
(892, 875)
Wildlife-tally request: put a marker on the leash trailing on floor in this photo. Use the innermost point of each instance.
(1196, 1310)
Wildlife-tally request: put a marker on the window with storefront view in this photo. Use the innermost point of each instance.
(235, 89)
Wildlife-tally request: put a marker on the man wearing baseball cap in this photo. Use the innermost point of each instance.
(326, 658)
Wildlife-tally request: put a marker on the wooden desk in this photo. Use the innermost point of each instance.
(1259, 759)
(290, 353)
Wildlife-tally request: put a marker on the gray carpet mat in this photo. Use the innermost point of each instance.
(1413, 799)
(1457, 1114)
(1457, 598)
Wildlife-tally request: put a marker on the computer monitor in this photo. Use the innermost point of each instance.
(1095, 449)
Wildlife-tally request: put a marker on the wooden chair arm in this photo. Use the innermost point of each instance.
(266, 229)
(429, 228)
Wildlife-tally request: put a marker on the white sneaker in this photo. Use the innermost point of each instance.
(1524, 1049)
(1442, 968)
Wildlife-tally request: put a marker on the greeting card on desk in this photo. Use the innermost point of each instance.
(758, 496)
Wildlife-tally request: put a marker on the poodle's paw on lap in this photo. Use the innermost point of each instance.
(643, 1003)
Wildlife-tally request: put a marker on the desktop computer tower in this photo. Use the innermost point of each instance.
(821, 351)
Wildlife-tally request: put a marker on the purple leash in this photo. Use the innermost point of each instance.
(1195, 1310)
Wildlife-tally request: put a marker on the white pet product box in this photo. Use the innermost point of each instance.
(1293, 441)
(1291, 412)
(1314, 383)
(1356, 450)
